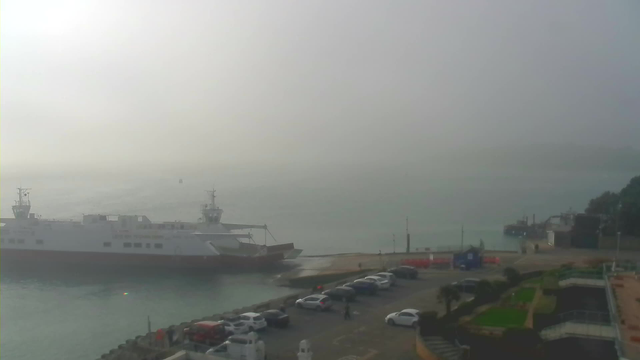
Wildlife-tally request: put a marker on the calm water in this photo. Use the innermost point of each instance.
(72, 315)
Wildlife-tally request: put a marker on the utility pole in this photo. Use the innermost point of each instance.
(394, 243)
(408, 237)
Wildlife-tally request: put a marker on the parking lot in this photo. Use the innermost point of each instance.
(366, 335)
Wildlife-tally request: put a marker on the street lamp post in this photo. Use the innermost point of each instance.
(618, 247)
(394, 243)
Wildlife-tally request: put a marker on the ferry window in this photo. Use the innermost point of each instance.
(12, 241)
(103, 217)
(39, 242)
(20, 241)
(137, 245)
(148, 246)
(106, 244)
(157, 246)
(161, 226)
(127, 245)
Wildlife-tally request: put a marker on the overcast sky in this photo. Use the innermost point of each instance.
(218, 82)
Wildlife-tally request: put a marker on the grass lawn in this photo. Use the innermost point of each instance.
(501, 317)
(525, 295)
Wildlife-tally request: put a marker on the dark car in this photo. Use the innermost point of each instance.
(341, 293)
(466, 285)
(363, 287)
(276, 318)
(404, 272)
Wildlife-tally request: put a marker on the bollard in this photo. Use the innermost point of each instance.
(304, 351)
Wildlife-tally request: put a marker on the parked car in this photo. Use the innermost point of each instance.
(316, 302)
(467, 285)
(341, 293)
(247, 346)
(254, 321)
(363, 287)
(406, 317)
(404, 272)
(276, 318)
(383, 284)
(389, 276)
(235, 326)
(206, 332)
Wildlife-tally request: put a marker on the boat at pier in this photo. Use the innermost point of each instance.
(135, 240)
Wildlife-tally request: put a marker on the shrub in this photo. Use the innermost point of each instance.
(485, 291)
(596, 262)
(428, 322)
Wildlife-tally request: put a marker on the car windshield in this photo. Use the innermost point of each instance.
(258, 318)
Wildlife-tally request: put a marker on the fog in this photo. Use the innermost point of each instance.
(155, 86)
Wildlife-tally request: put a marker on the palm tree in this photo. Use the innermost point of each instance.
(512, 275)
(448, 294)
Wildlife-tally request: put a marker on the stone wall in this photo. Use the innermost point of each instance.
(626, 243)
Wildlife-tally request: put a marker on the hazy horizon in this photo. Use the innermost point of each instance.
(157, 84)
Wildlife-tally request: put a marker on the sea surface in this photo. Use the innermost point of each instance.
(76, 315)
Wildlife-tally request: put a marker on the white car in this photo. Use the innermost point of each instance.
(389, 276)
(235, 326)
(406, 317)
(383, 284)
(316, 302)
(254, 321)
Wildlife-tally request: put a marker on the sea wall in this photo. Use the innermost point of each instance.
(146, 347)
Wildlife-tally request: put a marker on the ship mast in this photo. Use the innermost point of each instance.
(22, 207)
(211, 213)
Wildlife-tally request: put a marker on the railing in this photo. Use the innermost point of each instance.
(577, 328)
(581, 274)
(613, 313)
(585, 317)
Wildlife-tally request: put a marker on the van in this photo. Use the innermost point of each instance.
(206, 332)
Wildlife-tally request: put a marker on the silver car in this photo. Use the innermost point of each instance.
(316, 302)
(389, 276)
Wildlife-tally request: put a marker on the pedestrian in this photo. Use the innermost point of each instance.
(347, 312)
(360, 265)
(170, 333)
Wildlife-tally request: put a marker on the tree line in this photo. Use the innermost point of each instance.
(620, 211)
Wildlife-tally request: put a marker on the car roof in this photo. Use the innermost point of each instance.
(207, 323)
(343, 288)
(250, 314)
(374, 276)
(385, 273)
(413, 311)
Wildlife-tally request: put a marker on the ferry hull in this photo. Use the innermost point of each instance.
(25, 257)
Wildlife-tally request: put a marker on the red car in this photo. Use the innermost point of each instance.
(206, 332)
